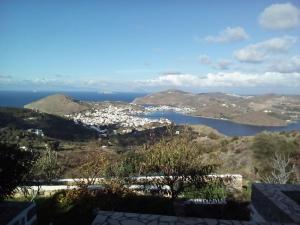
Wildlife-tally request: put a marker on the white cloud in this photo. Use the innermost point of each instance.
(258, 52)
(280, 17)
(225, 79)
(289, 65)
(229, 34)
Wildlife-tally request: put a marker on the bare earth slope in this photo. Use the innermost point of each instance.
(58, 105)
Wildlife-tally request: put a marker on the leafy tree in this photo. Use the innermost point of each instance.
(46, 168)
(14, 166)
(98, 164)
(131, 164)
(178, 161)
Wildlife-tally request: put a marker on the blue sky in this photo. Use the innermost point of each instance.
(232, 46)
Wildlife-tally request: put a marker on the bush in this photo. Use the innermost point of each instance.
(213, 190)
(266, 145)
(14, 165)
(179, 162)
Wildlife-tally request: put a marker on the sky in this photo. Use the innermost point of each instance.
(241, 47)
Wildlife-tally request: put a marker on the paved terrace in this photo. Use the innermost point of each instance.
(271, 204)
(119, 218)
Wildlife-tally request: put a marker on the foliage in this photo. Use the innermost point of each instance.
(52, 126)
(78, 207)
(212, 190)
(14, 165)
(266, 145)
(213, 135)
(97, 165)
(131, 163)
(178, 161)
(46, 168)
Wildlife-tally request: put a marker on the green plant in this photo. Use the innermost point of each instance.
(178, 161)
(266, 145)
(212, 190)
(46, 168)
(14, 165)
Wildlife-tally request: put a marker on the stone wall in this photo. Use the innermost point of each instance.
(271, 202)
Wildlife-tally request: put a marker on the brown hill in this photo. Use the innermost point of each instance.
(58, 104)
(259, 118)
(264, 110)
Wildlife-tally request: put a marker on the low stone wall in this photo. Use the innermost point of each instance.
(232, 181)
(272, 204)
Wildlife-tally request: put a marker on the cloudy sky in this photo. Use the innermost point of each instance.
(243, 47)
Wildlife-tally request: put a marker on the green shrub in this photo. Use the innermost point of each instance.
(266, 145)
(213, 190)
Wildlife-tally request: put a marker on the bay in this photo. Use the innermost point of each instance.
(226, 127)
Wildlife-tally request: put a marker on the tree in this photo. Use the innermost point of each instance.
(14, 166)
(282, 170)
(178, 162)
(97, 165)
(46, 168)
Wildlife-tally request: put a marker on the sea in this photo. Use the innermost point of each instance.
(20, 98)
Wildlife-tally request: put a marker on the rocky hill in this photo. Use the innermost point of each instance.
(265, 110)
(58, 104)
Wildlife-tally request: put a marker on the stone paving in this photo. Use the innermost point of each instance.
(120, 218)
(271, 202)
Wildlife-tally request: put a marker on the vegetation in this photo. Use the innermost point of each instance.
(182, 162)
(14, 165)
(212, 190)
(179, 162)
(46, 168)
(19, 120)
(77, 207)
(266, 145)
(283, 170)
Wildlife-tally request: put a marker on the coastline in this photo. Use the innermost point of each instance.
(243, 123)
(236, 122)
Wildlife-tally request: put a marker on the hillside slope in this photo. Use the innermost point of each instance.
(58, 104)
(51, 125)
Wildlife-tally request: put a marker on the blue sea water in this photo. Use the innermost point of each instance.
(21, 98)
(223, 126)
